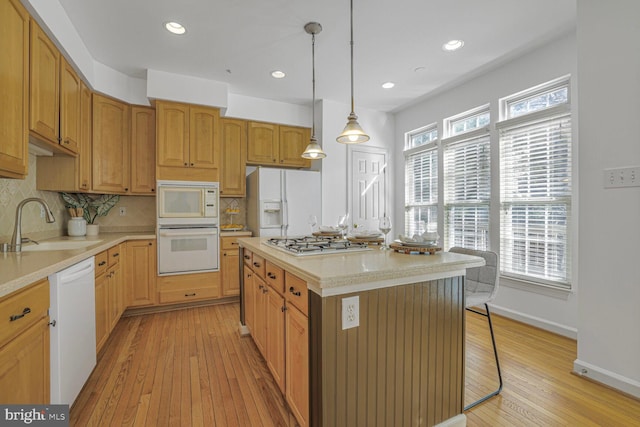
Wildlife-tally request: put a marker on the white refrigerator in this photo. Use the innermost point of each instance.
(280, 201)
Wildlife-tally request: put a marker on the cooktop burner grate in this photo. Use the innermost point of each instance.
(315, 245)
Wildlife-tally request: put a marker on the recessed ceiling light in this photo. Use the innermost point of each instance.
(452, 45)
(175, 27)
(388, 85)
(277, 74)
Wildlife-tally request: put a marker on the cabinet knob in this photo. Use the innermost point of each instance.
(191, 164)
(150, 243)
(224, 254)
(270, 275)
(186, 164)
(153, 189)
(126, 189)
(190, 295)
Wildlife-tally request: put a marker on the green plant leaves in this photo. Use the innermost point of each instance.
(92, 207)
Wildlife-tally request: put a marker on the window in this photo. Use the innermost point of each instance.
(468, 121)
(421, 180)
(535, 185)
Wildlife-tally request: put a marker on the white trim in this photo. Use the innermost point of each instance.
(603, 376)
(472, 134)
(546, 114)
(557, 328)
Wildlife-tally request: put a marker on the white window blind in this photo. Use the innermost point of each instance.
(421, 189)
(467, 190)
(535, 199)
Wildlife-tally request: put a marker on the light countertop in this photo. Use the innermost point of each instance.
(18, 270)
(336, 274)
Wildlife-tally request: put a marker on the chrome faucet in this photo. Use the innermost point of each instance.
(16, 239)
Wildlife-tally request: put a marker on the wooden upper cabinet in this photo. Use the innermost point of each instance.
(14, 86)
(272, 144)
(262, 147)
(143, 150)
(204, 150)
(173, 134)
(111, 152)
(234, 156)
(44, 118)
(188, 142)
(293, 141)
(84, 159)
(70, 108)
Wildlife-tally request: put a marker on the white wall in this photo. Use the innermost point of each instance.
(609, 315)
(556, 311)
(380, 127)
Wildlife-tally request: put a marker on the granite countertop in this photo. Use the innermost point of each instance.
(18, 270)
(336, 274)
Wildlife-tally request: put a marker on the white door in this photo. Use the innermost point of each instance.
(367, 191)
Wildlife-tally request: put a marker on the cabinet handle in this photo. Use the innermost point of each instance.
(66, 141)
(190, 295)
(117, 254)
(293, 291)
(256, 264)
(126, 189)
(283, 309)
(52, 323)
(191, 164)
(265, 290)
(234, 243)
(101, 263)
(247, 257)
(270, 275)
(248, 275)
(15, 317)
(260, 286)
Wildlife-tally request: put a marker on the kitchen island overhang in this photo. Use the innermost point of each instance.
(404, 363)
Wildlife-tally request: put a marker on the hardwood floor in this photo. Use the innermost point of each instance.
(190, 367)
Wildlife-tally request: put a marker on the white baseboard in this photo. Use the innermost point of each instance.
(457, 421)
(603, 376)
(538, 322)
(243, 330)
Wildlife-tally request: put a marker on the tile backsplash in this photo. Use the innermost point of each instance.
(140, 210)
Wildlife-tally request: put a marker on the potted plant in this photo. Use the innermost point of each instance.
(92, 207)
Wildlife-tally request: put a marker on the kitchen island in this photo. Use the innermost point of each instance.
(402, 365)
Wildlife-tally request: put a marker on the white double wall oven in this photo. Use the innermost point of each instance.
(188, 227)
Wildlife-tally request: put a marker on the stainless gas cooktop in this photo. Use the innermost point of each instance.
(315, 245)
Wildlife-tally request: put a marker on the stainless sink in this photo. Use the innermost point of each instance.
(59, 245)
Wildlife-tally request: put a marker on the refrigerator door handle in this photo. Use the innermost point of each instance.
(285, 202)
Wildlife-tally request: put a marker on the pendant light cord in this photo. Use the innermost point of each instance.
(313, 85)
(352, 103)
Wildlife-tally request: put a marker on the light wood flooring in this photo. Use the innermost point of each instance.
(191, 367)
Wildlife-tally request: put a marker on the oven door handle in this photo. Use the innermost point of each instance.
(189, 233)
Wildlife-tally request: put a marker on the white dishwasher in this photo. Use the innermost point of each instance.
(73, 332)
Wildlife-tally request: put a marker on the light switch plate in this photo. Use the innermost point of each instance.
(350, 312)
(622, 177)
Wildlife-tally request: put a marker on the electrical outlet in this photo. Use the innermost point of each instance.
(622, 177)
(350, 312)
(42, 214)
(123, 211)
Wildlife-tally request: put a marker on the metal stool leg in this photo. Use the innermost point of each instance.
(495, 353)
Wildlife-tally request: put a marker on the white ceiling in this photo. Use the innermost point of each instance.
(241, 41)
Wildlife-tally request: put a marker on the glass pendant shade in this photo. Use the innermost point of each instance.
(352, 133)
(313, 150)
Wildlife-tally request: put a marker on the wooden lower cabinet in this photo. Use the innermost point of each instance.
(24, 346)
(249, 298)
(229, 268)
(102, 310)
(188, 287)
(297, 363)
(275, 336)
(259, 332)
(109, 290)
(140, 273)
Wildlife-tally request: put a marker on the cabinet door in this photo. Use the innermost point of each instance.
(14, 86)
(293, 141)
(249, 299)
(230, 275)
(83, 161)
(173, 134)
(234, 154)
(143, 150)
(262, 143)
(111, 152)
(70, 99)
(297, 363)
(204, 149)
(44, 86)
(275, 336)
(116, 294)
(141, 272)
(24, 367)
(259, 331)
(102, 310)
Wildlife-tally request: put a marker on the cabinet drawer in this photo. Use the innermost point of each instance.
(248, 258)
(114, 255)
(22, 309)
(274, 277)
(296, 292)
(257, 264)
(102, 261)
(229, 242)
(180, 295)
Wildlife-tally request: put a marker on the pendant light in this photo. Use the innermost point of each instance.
(313, 150)
(352, 133)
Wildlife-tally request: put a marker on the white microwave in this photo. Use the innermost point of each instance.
(187, 202)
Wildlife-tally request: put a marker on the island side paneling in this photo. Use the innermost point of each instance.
(404, 364)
